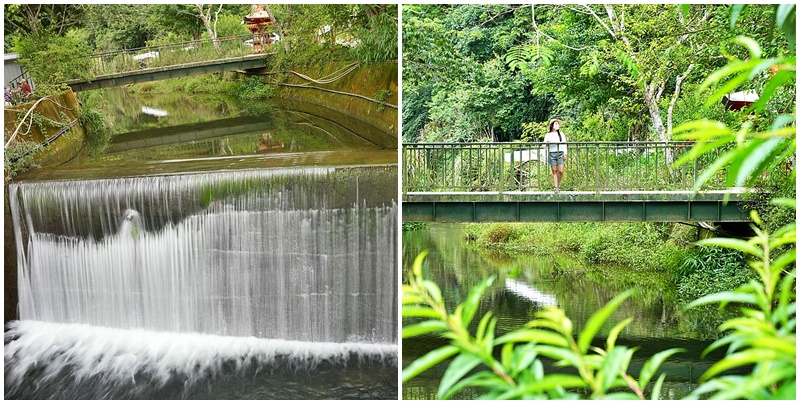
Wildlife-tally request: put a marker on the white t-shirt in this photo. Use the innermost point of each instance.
(552, 137)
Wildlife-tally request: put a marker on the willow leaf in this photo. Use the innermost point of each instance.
(598, 318)
(474, 297)
(459, 367)
(424, 327)
(428, 360)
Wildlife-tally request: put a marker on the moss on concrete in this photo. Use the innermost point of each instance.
(376, 82)
(49, 117)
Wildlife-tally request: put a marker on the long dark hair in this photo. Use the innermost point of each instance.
(558, 131)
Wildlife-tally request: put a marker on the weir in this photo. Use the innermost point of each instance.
(300, 255)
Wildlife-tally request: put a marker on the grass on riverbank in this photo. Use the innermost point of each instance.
(640, 246)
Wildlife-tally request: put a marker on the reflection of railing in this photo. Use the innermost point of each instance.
(170, 55)
(590, 166)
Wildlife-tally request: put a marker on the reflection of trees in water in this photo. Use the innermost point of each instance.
(124, 110)
(580, 288)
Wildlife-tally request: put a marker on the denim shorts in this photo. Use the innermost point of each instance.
(556, 158)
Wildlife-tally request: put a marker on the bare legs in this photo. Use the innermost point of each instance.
(558, 174)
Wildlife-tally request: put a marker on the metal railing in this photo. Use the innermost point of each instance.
(181, 53)
(590, 166)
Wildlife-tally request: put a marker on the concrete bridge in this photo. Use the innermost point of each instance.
(183, 59)
(603, 181)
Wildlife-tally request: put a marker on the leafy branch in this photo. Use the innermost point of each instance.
(519, 371)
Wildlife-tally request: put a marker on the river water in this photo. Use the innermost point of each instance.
(215, 251)
(526, 284)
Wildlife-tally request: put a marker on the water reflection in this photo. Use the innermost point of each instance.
(525, 284)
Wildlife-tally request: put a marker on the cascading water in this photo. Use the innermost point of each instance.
(263, 269)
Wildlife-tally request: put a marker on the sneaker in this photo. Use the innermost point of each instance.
(557, 190)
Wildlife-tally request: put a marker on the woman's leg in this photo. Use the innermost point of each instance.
(556, 176)
(560, 173)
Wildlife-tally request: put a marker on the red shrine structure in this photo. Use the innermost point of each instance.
(258, 23)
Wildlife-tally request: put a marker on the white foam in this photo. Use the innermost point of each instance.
(113, 354)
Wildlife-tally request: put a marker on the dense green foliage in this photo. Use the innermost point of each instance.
(18, 158)
(639, 246)
(98, 131)
(53, 41)
(478, 72)
(253, 88)
(710, 270)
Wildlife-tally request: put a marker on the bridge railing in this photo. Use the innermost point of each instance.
(170, 55)
(590, 166)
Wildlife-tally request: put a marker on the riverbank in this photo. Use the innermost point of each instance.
(640, 246)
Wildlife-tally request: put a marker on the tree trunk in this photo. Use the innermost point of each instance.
(205, 16)
(651, 97)
(278, 25)
(678, 83)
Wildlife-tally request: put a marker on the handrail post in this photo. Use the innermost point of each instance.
(597, 168)
(502, 169)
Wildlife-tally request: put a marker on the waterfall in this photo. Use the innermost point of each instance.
(304, 255)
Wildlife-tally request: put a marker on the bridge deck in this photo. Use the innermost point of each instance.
(610, 206)
(131, 66)
(167, 72)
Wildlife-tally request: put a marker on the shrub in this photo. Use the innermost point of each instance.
(98, 131)
(711, 270)
(253, 88)
(18, 158)
(498, 233)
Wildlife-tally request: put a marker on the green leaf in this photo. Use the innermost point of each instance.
(656, 394)
(523, 356)
(506, 356)
(736, 10)
(596, 321)
(700, 130)
(779, 79)
(757, 160)
(616, 361)
(732, 243)
(460, 366)
(546, 383)
(424, 327)
(539, 336)
(751, 45)
(709, 172)
(614, 333)
(479, 335)
(416, 268)
(723, 297)
(433, 290)
(651, 366)
(750, 356)
(428, 360)
(419, 311)
(474, 297)
(489, 341)
(411, 299)
(787, 391)
(481, 379)
(560, 354)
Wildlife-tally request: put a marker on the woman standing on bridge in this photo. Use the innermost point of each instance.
(556, 152)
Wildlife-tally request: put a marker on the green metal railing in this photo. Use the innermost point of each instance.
(181, 53)
(590, 166)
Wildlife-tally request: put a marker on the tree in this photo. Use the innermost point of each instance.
(204, 13)
(452, 58)
(25, 19)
